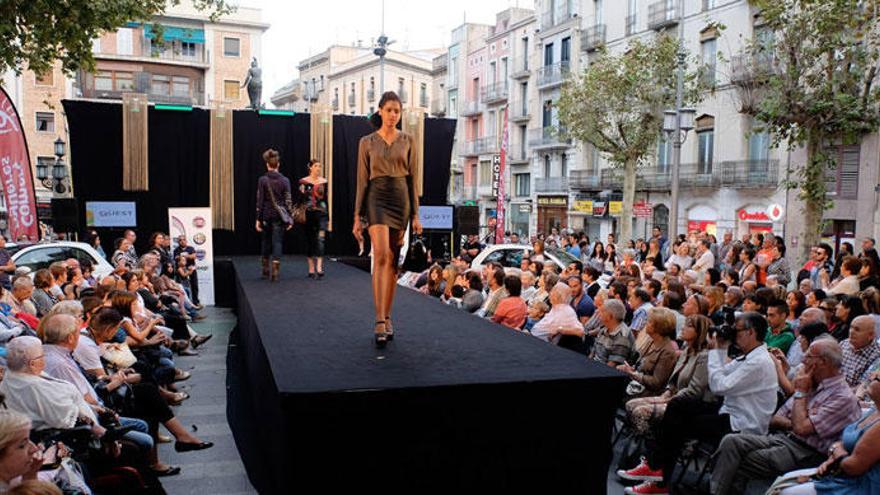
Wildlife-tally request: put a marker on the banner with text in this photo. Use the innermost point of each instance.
(498, 183)
(195, 225)
(15, 174)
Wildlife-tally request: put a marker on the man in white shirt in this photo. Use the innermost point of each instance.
(749, 382)
(748, 385)
(561, 319)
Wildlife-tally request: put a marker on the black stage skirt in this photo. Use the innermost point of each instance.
(388, 202)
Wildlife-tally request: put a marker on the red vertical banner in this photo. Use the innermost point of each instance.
(498, 173)
(15, 174)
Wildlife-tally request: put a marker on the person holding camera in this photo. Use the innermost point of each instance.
(748, 386)
(807, 425)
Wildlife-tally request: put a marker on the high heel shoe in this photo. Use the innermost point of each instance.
(380, 338)
(389, 330)
(320, 275)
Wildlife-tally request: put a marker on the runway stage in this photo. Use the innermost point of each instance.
(453, 402)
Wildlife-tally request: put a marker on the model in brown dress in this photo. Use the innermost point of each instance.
(386, 196)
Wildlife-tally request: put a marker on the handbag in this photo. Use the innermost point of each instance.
(416, 256)
(119, 355)
(285, 216)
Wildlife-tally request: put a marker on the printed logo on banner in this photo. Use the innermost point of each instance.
(195, 225)
(15, 174)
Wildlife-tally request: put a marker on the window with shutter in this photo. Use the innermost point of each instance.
(843, 181)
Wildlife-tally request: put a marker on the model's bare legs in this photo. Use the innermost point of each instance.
(382, 263)
(397, 236)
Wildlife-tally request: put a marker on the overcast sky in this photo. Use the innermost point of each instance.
(303, 28)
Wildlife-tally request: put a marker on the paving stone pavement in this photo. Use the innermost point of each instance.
(218, 470)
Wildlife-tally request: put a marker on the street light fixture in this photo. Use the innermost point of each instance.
(56, 181)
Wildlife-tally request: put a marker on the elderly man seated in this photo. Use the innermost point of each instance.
(615, 342)
(48, 402)
(561, 319)
(860, 350)
(809, 422)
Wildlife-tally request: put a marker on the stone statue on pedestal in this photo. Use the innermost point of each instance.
(254, 83)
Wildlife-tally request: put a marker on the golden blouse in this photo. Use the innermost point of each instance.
(376, 158)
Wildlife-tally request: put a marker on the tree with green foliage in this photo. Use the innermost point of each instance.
(616, 104)
(34, 34)
(811, 84)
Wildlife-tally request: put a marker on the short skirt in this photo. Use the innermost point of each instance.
(388, 202)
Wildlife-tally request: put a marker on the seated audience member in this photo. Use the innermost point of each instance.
(546, 281)
(537, 310)
(848, 284)
(473, 296)
(657, 359)
(808, 423)
(786, 372)
(590, 277)
(748, 386)
(780, 334)
(561, 319)
(689, 379)
(496, 293)
(43, 296)
(851, 466)
(47, 401)
(594, 324)
(640, 302)
(810, 315)
(860, 350)
(581, 302)
(614, 343)
(435, 284)
(20, 300)
(847, 309)
(511, 311)
(20, 459)
(528, 280)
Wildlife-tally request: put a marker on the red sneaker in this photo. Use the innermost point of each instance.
(642, 472)
(646, 488)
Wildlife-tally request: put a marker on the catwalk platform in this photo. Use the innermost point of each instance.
(454, 402)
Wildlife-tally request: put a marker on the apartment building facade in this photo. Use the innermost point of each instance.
(731, 177)
(350, 80)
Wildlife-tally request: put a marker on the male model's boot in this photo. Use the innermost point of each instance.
(276, 269)
(265, 262)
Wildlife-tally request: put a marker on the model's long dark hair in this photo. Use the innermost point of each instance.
(387, 96)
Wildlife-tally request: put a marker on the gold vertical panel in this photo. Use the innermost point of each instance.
(321, 149)
(222, 182)
(135, 158)
(414, 125)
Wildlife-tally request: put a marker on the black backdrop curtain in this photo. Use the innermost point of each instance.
(180, 173)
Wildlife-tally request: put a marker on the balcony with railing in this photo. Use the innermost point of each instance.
(495, 92)
(351, 100)
(335, 104)
(585, 180)
(551, 185)
(521, 69)
(423, 100)
(371, 95)
(752, 67)
(194, 54)
(659, 178)
(552, 75)
(663, 14)
(471, 108)
(551, 18)
(438, 107)
(548, 138)
(486, 145)
(173, 92)
(746, 174)
(593, 37)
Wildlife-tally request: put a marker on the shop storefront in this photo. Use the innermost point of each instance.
(552, 212)
(702, 219)
(753, 220)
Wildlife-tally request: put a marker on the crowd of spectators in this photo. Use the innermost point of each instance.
(88, 377)
(726, 343)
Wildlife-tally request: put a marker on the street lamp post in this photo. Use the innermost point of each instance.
(676, 124)
(57, 177)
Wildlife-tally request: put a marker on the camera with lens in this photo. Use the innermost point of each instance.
(726, 330)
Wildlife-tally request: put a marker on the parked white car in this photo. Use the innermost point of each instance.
(511, 255)
(37, 256)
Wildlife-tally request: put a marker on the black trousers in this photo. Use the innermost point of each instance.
(194, 286)
(685, 420)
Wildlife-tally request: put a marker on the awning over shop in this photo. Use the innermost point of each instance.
(173, 33)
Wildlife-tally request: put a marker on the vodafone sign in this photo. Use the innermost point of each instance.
(773, 213)
(753, 216)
